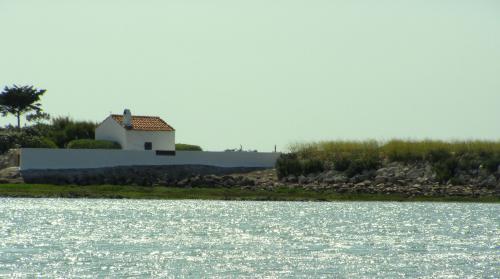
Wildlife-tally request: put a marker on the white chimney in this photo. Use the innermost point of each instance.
(127, 119)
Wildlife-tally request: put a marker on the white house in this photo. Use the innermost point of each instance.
(137, 132)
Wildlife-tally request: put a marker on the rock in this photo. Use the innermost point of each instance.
(248, 182)
(302, 180)
(4, 181)
(11, 172)
(422, 180)
(384, 172)
(212, 179)
(228, 181)
(401, 182)
(483, 173)
(366, 175)
(340, 178)
(461, 179)
(414, 173)
(312, 178)
(394, 169)
(329, 177)
(11, 175)
(428, 169)
(292, 179)
(379, 179)
(356, 179)
(183, 182)
(196, 180)
(9, 159)
(490, 182)
(363, 184)
(321, 176)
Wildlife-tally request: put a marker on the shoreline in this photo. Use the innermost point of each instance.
(213, 193)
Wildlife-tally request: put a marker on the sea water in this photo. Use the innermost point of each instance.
(82, 238)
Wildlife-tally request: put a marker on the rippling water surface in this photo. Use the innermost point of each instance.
(118, 238)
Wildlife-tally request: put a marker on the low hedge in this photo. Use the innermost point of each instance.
(93, 144)
(39, 142)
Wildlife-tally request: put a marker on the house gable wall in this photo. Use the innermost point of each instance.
(161, 140)
(110, 130)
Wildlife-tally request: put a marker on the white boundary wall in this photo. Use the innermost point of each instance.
(43, 158)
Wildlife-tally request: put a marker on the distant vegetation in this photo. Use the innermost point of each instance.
(63, 130)
(59, 132)
(355, 157)
(93, 144)
(19, 139)
(22, 100)
(187, 147)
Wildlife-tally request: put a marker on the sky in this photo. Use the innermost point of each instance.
(261, 73)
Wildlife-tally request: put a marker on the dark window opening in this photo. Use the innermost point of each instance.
(148, 145)
(165, 152)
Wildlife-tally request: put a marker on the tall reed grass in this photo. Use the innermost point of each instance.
(394, 150)
(355, 157)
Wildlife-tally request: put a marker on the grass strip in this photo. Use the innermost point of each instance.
(174, 193)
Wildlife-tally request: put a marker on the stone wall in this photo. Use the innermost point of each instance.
(173, 175)
(60, 159)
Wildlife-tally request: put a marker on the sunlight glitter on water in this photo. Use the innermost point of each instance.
(102, 238)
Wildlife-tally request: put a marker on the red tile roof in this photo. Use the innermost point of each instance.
(145, 123)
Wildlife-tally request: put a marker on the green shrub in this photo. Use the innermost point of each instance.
(187, 147)
(468, 161)
(355, 167)
(445, 169)
(438, 155)
(62, 130)
(358, 166)
(312, 166)
(288, 164)
(6, 143)
(341, 163)
(38, 142)
(14, 140)
(93, 144)
(340, 155)
(491, 163)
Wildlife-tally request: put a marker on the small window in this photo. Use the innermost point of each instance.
(148, 145)
(165, 152)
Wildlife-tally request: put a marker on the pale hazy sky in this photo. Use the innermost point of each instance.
(264, 72)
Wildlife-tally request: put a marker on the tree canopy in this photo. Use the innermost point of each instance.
(19, 100)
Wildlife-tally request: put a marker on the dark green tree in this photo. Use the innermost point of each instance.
(19, 100)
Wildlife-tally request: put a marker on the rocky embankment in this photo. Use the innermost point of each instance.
(395, 178)
(409, 180)
(9, 170)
